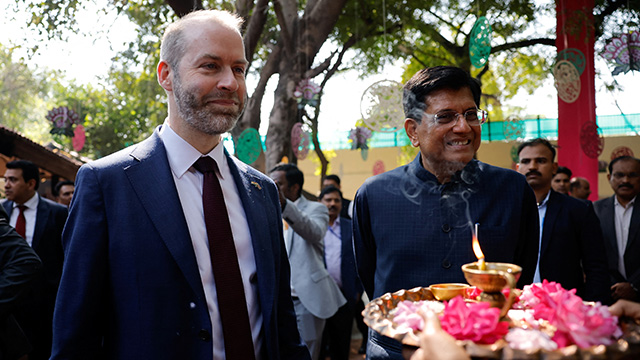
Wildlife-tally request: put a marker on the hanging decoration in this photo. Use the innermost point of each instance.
(514, 154)
(621, 151)
(381, 106)
(79, 138)
(574, 56)
(300, 141)
(248, 146)
(591, 139)
(378, 167)
(307, 93)
(63, 119)
(480, 42)
(513, 128)
(624, 52)
(359, 136)
(567, 81)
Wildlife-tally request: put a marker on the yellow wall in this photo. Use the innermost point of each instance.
(353, 170)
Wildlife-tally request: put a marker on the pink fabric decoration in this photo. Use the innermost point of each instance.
(576, 322)
(477, 322)
(79, 138)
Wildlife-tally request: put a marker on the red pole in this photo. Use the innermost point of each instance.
(575, 30)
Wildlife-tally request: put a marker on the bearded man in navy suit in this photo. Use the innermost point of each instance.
(137, 280)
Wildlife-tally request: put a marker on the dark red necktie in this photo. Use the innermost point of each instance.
(236, 329)
(21, 223)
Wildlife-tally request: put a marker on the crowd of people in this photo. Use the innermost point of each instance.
(173, 249)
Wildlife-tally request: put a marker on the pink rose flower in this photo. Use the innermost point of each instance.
(477, 322)
(576, 322)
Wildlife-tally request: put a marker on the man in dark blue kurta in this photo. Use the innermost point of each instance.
(413, 224)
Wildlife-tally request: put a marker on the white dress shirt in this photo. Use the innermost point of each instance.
(622, 223)
(30, 213)
(542, 212)
(189, 182)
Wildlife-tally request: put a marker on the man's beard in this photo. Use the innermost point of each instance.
(202, 116)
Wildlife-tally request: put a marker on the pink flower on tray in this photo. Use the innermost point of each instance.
(473, 293)
(576, 322)
(477, 322)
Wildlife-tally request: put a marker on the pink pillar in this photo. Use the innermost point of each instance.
(574, 31)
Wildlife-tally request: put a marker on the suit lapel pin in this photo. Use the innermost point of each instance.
(256, 185)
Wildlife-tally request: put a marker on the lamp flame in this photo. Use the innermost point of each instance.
(476, 247)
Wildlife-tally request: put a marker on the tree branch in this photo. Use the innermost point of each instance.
(285, 32)
(255, 27)
(523, 43)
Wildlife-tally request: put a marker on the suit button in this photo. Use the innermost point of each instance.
(446, 228)
(446, 264)
(204, 335)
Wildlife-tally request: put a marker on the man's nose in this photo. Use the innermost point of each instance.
(228, 80)
(460, 124)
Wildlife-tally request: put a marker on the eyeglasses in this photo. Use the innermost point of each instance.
(620, 175)
(473, 117)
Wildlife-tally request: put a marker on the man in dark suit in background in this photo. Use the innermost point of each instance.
(40, 222)
(579, 188)
(64, 192)
(571, 244)
(142, 276)
(334, 180)
(341, 264)
(413, 224)
(561, 180)
(620, 222)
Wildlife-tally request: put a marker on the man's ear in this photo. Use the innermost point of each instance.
(31, 184)
(411, 128)
(165, 75)
(555, 168)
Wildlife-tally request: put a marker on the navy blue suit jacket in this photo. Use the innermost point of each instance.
(351, 287)
(131, 288)
(572, 247)
(35, 312)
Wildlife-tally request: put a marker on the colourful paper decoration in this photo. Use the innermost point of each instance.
(306, 93)
(624, 52)
(567, 81)
(248, 146)
(378, 167)
(364, 153)
(63, 119)
(300, 141)
(480, 42)
(621, 151)
(381, 106)
(513, 128)
(79, 138)
(359, 136)
(514, 154)
(591, 140)
(574, 56)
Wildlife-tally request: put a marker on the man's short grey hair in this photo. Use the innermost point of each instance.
(173, 44)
